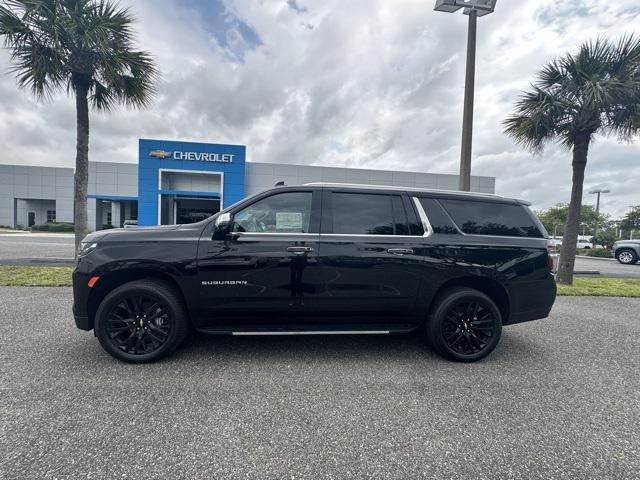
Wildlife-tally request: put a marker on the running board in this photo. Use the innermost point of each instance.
(314, 332)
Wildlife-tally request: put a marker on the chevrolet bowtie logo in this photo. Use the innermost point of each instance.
(160, 154)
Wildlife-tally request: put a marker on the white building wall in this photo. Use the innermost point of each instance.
(38, 207)
(91, 213)
(19, 182)
(113, 180)
(261, 176)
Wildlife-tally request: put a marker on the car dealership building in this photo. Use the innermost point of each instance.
(176, 182)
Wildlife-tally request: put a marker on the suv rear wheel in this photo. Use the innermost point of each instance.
(141, 321)
(626, 256)
(465, 325)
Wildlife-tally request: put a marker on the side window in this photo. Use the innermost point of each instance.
(490, 218)
(368, 214)
(399, 216)
(439, 220)
(288, 212)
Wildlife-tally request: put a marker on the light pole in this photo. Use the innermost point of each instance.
(598, 191)
(475, 9)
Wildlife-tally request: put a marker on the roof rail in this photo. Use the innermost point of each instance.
(400, 187)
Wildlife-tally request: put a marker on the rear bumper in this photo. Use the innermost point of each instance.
(532, 300)
(528, 316)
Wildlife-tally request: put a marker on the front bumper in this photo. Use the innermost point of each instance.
(81, 298)
(83, 322)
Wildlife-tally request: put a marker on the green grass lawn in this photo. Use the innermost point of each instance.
(18, 276)
(601, 287)
(61, 277)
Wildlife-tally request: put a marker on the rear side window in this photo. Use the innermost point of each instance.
(489, 218)
(368, 214)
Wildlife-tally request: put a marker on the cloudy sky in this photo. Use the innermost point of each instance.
(358, 83)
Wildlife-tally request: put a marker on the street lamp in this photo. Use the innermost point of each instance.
(475, 9)
(598, 191)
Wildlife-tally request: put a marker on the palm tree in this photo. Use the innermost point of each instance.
(596, 91)
(85, 46)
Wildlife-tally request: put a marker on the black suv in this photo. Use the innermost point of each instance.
(321, 259)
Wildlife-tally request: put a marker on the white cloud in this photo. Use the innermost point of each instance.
(366, 83)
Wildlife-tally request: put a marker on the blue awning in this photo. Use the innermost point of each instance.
(113, 198)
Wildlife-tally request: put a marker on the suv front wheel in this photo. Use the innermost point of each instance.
(465, 325)
(626, 256)
(141, 321)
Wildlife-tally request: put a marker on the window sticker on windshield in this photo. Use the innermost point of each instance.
(289, 221)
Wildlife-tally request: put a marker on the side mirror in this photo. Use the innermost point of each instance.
(222, 225)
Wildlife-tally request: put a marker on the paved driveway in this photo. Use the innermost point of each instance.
(558, 399)
(38, 248)
(608, 267)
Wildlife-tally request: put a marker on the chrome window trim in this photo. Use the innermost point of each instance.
(280, 234)
(426, 225)
(366, 235)
(499, 236)
(273, 234)
(428, 229)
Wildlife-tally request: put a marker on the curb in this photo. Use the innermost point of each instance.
(38, 262)
(597, 258)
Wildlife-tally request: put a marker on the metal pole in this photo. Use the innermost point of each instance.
(597, 213)
(467, 121)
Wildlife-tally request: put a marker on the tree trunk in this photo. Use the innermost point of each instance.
(570, 238)
(82, 163)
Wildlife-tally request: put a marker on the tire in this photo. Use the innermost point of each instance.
(130, 328)
(465, 325)
(626, 256)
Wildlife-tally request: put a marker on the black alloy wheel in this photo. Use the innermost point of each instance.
(469, 327)
(465, 325)
(141, 321)
(138, 324)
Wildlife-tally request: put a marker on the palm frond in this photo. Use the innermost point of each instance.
(87, 45)
(595, 90)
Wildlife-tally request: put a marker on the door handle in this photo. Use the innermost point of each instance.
(400, 251)
(299, 250)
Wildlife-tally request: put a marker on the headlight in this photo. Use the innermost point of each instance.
(85, 248)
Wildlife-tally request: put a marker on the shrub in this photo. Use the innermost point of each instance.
(53, 227)
(595, 252)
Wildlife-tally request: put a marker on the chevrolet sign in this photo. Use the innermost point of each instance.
(194, 156)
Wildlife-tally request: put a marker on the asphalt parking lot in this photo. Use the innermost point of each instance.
(559, 398)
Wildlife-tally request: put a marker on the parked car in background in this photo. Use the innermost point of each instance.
(626, 252)
(582, 243)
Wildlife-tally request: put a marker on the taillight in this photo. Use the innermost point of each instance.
(549, 257)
